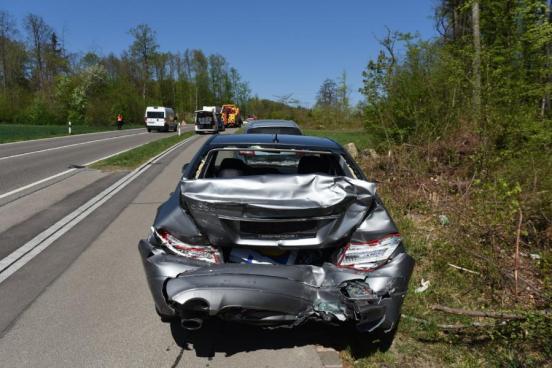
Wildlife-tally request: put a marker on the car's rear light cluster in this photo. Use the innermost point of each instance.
(367, 256)
(200, 252)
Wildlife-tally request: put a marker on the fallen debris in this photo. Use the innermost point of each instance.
(450, 327)
(516, 253)
(424, 286)
(472, 313)
(463, 269)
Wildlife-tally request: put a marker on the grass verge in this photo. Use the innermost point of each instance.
(23, 132)
(358, 136)
(135, 157)
(450, 217)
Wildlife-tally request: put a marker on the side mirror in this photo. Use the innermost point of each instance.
(185, 168)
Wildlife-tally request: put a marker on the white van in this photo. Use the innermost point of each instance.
(208, 120)
(160, 118)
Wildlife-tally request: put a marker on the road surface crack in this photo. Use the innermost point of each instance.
(178, 358)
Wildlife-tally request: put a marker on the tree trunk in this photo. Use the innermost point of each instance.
(455, 23)
(545, 105)
(4, 61)
(476, 61)
(145, 81)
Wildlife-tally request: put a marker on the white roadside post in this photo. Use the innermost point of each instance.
(179, 129)
(69, 128)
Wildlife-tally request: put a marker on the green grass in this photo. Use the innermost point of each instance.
(358, 136)
(135, 157)
(23, 132)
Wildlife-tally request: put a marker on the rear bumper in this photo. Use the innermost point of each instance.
(156, 125)
(275, 295)
(206, 130)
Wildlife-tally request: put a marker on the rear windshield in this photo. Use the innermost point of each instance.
(231, 163)
(204, 117)
(274, 130)
(155, 114)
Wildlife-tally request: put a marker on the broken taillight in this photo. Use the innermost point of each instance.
(366, 256)
(200, 252)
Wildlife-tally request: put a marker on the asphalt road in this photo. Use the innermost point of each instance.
(84, 301)
(23, 163)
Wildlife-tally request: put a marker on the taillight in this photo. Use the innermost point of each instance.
(200, 252)
(369, 255)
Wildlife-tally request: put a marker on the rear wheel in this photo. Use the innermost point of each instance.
(149, 130)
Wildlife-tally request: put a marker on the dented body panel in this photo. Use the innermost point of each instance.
(284, 294)
(219, 207)
(316, 216)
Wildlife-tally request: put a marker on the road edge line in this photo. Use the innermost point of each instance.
(68, 145)
(25, 253)
(64, 136)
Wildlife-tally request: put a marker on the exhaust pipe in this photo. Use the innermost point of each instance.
(192, 324)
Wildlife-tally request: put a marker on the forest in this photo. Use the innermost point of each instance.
(43, 83)
(462, 128)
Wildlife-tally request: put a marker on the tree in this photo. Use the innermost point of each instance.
(7, 32)
(327, 95)
(218, 75)
(240, 89)
(343, 92)
(287, 99)
(200, 71)
(476, 61)
(40, 82)
(38, 34)
(143, 50)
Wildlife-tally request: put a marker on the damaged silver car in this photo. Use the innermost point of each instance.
(276, 230)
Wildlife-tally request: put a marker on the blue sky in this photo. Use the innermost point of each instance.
(279, 47)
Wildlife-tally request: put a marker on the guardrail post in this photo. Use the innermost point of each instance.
(69, 128)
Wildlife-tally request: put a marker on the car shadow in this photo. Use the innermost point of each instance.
(217, 336)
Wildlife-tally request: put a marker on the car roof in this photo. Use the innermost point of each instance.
(285, 140)
(272, 123)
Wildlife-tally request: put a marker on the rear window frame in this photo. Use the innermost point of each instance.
(205, 162)
(163, 113)
(288, 130)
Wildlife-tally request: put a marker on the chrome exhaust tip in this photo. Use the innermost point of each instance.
(191, 324)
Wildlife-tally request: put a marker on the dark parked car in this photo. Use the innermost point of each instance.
(275, 231)
(273, 127)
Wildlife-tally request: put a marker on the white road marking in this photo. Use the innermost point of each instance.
(24, 254)
(69, 145)
(25, 187)
(63, 136)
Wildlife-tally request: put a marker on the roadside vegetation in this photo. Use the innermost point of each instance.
(358, 136)
(135, 157)
(43, 83)
(462, 128)
(21, 132)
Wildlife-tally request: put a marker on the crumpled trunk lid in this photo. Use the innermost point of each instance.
(275, 210)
